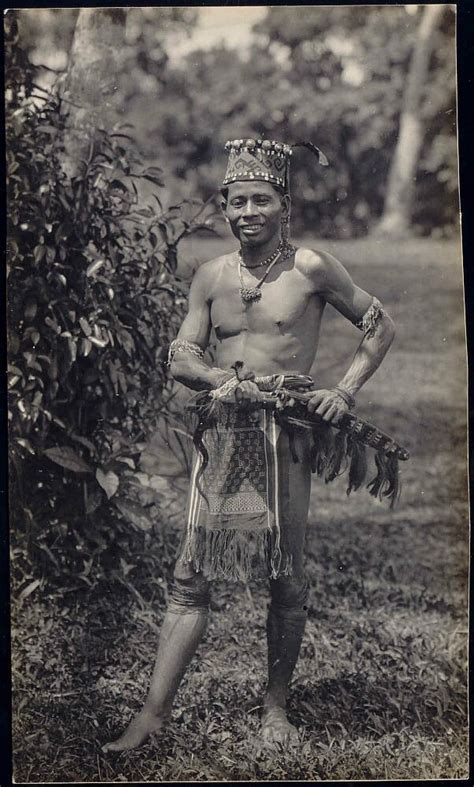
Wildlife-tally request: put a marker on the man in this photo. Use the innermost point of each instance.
(265, 304)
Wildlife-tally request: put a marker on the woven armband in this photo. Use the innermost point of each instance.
(368, 323)
(184, 346)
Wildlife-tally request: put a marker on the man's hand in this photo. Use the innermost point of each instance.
(328, 404)
(248, 391)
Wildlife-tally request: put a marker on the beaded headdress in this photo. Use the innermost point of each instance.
(263, 159)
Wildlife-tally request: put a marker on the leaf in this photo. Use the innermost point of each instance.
(143, 478)
(29, 590)
(94, 267)
(47, 129)
(30, 310)
(158, 201)
(85, 346)
(125, 136)
(84, 441)
(157, 181)
(127, 461)
(134, 514)
(52, 324)
(39, 252)
(25, 444)
(85, 326)
(14, 370)
(206, 227)
(67, 458)
(159, 484)
(108, 481)
(97, 342)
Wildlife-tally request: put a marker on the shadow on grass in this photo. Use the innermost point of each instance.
(355, 705)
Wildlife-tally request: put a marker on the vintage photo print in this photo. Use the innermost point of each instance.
(237, 394)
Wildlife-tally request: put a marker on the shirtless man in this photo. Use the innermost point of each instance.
(275, 333)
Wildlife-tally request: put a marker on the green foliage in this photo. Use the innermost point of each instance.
(335, 75)
(93, 305)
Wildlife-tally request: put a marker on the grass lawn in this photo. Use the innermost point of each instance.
(380, 689)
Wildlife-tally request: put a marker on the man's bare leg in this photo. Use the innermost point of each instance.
(284, 636)
(288, 610)
(182, 630)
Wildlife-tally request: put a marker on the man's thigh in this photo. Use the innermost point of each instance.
(295, 479)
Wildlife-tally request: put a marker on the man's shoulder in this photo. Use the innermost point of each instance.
(209, 268)
(314, 263)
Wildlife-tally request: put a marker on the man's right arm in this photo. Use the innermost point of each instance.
(186, 366)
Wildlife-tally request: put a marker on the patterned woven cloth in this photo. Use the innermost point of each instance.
(233, 522)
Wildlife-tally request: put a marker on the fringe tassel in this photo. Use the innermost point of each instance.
(321, 449)
(386, 483)
(235, 554)
(358, 464)
(338, 461)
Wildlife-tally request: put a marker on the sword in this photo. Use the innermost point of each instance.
(361, 430)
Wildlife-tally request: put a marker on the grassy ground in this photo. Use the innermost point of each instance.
(380, 688)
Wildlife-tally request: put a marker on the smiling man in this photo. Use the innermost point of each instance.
(248, 501)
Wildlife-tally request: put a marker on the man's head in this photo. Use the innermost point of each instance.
(262, 166)
(254, 210)
(255, 189)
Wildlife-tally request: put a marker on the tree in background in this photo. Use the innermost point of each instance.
(89, 90)
(398, 205)
(334, 74)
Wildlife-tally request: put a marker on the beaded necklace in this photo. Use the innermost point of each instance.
(252, 294)
(267, 261)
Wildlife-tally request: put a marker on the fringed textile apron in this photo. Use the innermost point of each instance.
(234, 510)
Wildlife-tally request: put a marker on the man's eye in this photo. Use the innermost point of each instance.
(237, 203)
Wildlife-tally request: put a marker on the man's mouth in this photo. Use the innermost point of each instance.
(250, 229)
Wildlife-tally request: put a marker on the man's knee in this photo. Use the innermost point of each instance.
(290, 596)
(190, 589)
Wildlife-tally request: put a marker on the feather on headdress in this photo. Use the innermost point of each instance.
(264, 159)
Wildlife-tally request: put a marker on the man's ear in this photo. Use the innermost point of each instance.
(286, 205)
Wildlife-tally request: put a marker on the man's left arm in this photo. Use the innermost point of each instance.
(336, 286)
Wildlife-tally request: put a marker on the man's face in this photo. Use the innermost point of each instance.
(254, 210)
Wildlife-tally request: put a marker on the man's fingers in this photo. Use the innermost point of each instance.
(314, 402)
(330, 413)
(337, 418)
(323, 408)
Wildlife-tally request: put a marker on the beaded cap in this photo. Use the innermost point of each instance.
(258, 159)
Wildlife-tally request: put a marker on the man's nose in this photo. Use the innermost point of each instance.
(249, 209)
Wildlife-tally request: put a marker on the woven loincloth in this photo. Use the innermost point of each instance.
(233, 518)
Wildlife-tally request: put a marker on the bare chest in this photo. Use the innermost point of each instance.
(287, 299)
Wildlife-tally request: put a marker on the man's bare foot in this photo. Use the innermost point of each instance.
(276, 728)
(137, 732)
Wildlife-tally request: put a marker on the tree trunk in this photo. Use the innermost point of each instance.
(90, 84)
(396, 217)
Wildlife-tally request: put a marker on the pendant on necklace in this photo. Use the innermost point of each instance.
(250, 294)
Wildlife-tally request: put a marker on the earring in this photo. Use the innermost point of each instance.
(285, 228)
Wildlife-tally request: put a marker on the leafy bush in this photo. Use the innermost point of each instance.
(93, 304)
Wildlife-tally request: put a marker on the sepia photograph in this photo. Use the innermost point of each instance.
(237, 394)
